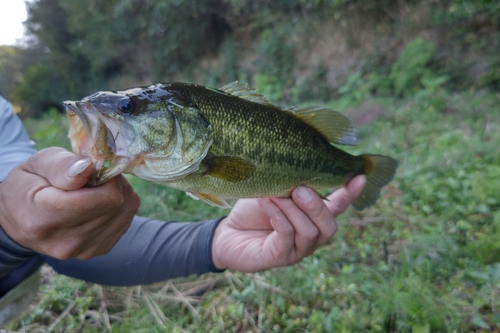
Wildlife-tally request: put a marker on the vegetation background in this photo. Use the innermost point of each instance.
(420, 80)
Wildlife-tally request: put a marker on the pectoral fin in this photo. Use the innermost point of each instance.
(229, 168)
(210, 199)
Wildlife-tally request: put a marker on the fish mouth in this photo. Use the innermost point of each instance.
(98, 137)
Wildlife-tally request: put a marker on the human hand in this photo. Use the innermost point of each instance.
(264, 233)
(45, 207)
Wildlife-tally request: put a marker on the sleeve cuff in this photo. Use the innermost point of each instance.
(12, 254)
(203, 249)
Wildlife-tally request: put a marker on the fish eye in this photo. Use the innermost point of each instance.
(126, 106)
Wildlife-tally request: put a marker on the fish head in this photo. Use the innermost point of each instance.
(138, 131)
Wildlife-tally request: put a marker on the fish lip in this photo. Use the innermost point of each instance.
(91, 111)
(86, 109)
(93, 134)
(89, 126)
(76, 108)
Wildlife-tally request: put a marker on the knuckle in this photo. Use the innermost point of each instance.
(85, 251)
(37, 230)
(55, 154)
(117, 200)
(63, 256)
(288, 230)
(316, 210)
(312, 234)
(135, 201)
(331, 230)
(29, 165)
(105, 250)
(112, 199)
(283, 258)
(106, 247)
(87, 255)
(293, 259)
(63, 252)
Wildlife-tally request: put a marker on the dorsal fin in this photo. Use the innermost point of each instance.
(241, 90)
(334, 126)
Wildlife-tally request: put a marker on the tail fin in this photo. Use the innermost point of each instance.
(379, 171)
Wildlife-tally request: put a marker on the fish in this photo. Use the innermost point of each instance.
(217, 144)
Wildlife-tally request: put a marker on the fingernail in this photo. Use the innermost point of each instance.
(76, 169)
(305, 194)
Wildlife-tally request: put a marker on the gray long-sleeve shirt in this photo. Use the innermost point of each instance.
(148, 252)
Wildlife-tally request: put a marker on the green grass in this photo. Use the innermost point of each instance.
(425, 258)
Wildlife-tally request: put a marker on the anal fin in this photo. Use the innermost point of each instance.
(210, 199)
(310, 185)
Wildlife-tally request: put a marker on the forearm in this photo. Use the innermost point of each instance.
(150, 251)
(15, 144)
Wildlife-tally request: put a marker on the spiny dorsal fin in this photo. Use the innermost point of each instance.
(229, 168)
(241, 90)
(334, 126)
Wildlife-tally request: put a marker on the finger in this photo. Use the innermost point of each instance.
(260, 219)
(281, 242)
(109, 228)
(60, 168)
(306, 232)
(316, 210)
(97, 236)
(105, 238)
(110, 242)
(111, 195)
(131, 197)
(84, 204)
(339, 200)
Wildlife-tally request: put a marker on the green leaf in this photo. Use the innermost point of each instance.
(481, 276)
(420, 328)
(478, 321)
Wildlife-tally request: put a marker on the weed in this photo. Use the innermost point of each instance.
(423, 259)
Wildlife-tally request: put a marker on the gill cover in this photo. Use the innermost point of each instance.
(191, 137)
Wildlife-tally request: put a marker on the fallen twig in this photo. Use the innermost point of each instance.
(104, 310)
(61, 316)
(186, 301)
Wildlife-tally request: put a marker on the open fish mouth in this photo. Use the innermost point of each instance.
(94, 136)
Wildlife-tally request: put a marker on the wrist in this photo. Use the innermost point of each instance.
(12, 254)
(216, 247)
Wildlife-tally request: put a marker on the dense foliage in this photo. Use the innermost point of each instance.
(424, 259)
(291, 50)
(419, 79)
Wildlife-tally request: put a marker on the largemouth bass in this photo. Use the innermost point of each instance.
(220, 143)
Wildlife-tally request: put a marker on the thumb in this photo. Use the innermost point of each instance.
(339, 200)
(61, 168)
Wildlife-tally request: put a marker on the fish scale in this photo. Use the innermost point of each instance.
(284, 150)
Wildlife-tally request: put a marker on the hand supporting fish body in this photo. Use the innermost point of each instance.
(220, 143)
